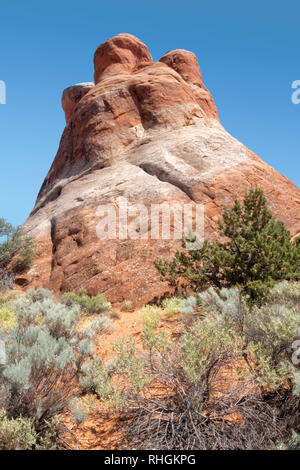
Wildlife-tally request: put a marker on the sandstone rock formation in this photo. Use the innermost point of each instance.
(72, 95)
(147, 132)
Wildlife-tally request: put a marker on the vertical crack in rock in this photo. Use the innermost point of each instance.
(52, 233)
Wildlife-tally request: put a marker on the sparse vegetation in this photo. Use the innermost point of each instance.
(151, 319)
(227, 382)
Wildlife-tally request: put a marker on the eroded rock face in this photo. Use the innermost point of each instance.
(147, 133)
(72, 95)
(120, 54)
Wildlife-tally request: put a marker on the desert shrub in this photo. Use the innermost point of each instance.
(172, 305)
(19, 434)
(213, 386)
(9, 297)
(188, 305)
(16, 434)
(78, 413)
(127, 364)
(286, 293)
(150, 322)
(88, 304)
(45, 355)
(152, 336)
(7, 280)
(256, 250)
(100, 377)
(95, 377)
(266, 332)
(39, 295)
(127, 306)
(291, 443)
(179, 399)
(151, 315)
(7, 319)
(7, 311)
(16, 248)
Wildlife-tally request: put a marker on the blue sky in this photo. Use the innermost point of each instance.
(248, 54)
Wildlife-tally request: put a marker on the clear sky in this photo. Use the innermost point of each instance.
(248, 53)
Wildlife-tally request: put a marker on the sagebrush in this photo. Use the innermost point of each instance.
(46, 353)
(226, 382)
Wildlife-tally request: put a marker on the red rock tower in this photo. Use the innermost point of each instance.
(147, 132)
